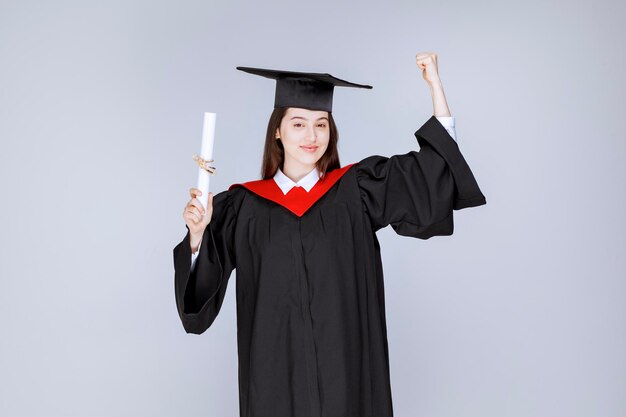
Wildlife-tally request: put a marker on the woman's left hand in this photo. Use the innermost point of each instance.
(427, 62)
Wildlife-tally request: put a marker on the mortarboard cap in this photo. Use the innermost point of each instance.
(306, 90)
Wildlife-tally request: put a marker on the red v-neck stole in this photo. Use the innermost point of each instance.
(297, 200)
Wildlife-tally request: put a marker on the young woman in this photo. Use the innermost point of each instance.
(311, 327)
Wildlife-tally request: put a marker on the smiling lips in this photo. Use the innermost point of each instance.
(309, 148)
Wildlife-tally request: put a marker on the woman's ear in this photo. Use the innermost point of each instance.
(277, 133)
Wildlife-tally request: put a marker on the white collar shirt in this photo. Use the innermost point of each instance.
(307, 182)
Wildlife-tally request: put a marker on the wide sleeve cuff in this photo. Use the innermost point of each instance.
(432, 133)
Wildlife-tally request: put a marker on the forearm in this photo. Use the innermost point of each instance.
(440, 105)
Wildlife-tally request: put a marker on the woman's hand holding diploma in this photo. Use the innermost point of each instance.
(196, 217)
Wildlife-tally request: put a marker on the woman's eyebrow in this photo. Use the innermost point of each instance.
(304, 118)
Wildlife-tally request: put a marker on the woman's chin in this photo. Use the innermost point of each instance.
(309, 159)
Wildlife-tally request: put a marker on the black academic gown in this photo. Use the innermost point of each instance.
(311, 328)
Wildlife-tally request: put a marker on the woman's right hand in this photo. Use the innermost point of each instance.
(196, 217)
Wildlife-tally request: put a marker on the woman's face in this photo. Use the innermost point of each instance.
(305, 135)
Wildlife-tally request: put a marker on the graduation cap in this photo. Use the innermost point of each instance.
(308, 90)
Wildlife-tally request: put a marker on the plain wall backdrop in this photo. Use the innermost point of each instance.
(521, 312)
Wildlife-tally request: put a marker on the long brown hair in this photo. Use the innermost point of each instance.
(274, 153)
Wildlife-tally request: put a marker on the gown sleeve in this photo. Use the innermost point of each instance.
(417, 192)
(200, 292)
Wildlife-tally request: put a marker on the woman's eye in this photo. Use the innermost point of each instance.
(298, 124)
(322, 125)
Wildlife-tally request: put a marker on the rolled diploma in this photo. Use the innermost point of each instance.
(206, 153)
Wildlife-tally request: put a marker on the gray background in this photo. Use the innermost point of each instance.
(520, 313)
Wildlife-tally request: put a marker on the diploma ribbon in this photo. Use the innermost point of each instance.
(204, 164)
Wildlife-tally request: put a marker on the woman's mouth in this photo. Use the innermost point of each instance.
(309, 148)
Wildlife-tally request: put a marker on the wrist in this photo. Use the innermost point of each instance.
(194, 242)
(436, 84)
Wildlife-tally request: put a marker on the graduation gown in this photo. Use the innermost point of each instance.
(311, 329)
